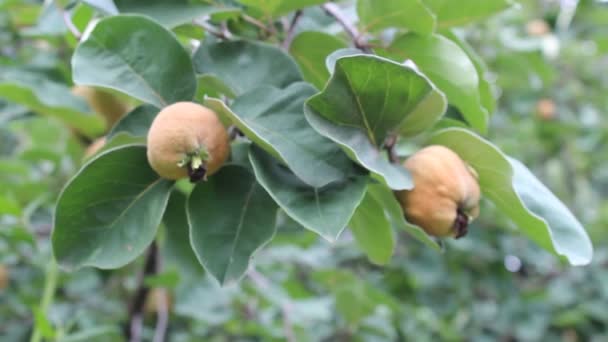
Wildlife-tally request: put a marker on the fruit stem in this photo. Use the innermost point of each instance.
(389, 146)
(461, 224)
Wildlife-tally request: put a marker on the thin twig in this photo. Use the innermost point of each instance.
(222, 33)
(334, 11)
(292, 29)
(389, 146)
(136, 308)
(48, 294)
(162, 310)
(67, 19)
(253, 21)
(162, 317)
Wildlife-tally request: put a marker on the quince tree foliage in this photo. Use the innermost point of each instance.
(316, 105)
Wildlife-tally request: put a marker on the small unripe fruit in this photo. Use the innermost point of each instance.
(187, 140)
(102, 102)
(546, 109)
(446, 193)
(537, 27)
(94, 147)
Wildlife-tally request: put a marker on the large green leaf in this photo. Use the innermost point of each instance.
(177, 249)
(50, 22)
(44, 96)
(274, 120)
(358, 147)
(171, 13)
(449, 67)
(394, 213)
(137, 122)
(275, 8)
(486, 91)
(412, 15)
(104, 6)
(110, 211)
(367, 99)
(135, 55)
(453, 13)
(230, 217)
(373, 94)
(372, 230)
(521, 196)
(310, 49)
(245, 65)
(326, 210)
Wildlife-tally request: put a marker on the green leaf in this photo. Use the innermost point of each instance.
(44, 96)
(230, 217)
(244, 65)
(450, 69)
(367, 99)
(177, 249)
(373, 94)
(412, 15)
(276, 8)
(274, 120)
(105, 6)
(172, 13)
(326, 211)
(137, 122)
(209, 85)
(486, 91)
(43, 325)
(455, 13)
(393, 211)
(521, 196)
(372, 230)
(110, 211)
(119, 53)
(49, 23)
(120, 139)
(310, 49)
(166, 279)
(358, 147)
(332, 58)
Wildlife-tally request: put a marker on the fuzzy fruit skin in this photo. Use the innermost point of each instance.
(94, 147)
(181, 129)
(104, 103)
(443, 185)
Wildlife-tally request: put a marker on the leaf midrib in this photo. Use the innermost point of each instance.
(239, 229)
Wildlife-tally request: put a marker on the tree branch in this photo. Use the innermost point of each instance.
(70, 25)
(292, 29)
(162, 317)
(136, 308)
(333, 10)
(389, 146)
(222, 33)
(253, 21)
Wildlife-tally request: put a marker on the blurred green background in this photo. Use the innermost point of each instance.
(549, 62)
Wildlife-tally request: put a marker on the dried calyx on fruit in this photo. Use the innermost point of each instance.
(446, 193)
(187, 140)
